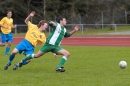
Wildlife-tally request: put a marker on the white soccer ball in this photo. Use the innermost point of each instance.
(122, 64)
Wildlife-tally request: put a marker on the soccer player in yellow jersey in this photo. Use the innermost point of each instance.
(33, 36)
(6, 27)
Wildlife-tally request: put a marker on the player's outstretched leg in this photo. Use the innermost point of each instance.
(29, 57)
(7, 65)
(7, 50)
(11, 57)
(59, 67)
(20, 65)
(15, 67)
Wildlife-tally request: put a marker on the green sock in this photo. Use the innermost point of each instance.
(62, 61)
(28, 57)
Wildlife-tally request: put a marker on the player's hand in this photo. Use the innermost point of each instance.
(15, 26)
(55, 55)
(32, 13)
(77, 28)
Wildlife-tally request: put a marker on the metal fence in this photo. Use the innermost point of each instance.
(22, 28)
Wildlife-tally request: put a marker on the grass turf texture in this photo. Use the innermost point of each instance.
(87, 66)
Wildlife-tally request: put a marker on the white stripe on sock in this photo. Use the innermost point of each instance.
(33, 55)
(64, 57)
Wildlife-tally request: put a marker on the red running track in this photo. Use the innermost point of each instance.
(91, 41)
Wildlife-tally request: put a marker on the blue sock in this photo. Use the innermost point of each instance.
(17, 64)
(7, 50)
(11, 57)
(24, 63)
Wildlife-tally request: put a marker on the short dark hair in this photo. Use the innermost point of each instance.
(9, 11)
(60, 18)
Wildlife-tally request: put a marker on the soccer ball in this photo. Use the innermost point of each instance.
(122, 64)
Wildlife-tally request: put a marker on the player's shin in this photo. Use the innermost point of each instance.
(28, 58)
(11, 57)
(62, 61)
(7, 50)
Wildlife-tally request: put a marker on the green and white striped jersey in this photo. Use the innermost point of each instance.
(57, 34)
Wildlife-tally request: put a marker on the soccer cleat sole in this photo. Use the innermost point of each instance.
(60, 69)
(6, 66)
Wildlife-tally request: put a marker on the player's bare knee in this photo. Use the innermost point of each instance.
(13, 53)
(2, 45)
(67, 54)
(9, 44)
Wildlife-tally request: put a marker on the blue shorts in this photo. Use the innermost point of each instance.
(25, 46)
(6, 37)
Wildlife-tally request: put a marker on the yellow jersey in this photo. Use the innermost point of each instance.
(6, 22)
(34, 35)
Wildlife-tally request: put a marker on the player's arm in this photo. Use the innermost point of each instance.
(2, 22)
(29, 16)
(68, 34)
(54, 54)
(3, 26)
(14, 26)
(52, 23)
(76, 28)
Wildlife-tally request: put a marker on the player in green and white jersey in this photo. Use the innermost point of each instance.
(53, 43)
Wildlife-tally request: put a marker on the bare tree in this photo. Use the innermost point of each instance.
(72, 9)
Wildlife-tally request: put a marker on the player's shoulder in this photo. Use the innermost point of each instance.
(4, 18)
(7, 18)
(11, 18)
(30, 23)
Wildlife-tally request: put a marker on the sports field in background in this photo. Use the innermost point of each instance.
(87, 66)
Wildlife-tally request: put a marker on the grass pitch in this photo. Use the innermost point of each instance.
(87, 66)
